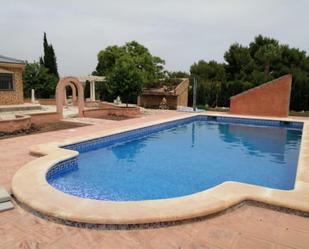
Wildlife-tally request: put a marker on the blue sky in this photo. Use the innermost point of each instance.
(181, 32)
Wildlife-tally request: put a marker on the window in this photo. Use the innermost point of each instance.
(6, 81)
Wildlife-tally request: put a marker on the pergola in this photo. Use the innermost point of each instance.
(92, 79)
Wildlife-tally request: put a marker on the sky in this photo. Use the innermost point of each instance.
(179, 31)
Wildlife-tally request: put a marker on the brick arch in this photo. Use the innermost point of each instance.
(73, 82)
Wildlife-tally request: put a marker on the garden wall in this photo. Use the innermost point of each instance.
(18, 123)
(269, 99)
(120, 111)
(48, 117)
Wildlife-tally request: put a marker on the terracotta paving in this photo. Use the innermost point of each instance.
(248, 227)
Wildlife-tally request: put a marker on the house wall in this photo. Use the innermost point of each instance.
(15, 96)
(269, 99)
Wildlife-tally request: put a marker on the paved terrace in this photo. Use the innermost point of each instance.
(247, 227)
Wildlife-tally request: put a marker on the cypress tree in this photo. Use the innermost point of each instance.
(49, 58)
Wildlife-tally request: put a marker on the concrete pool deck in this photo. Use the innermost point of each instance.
(240, 228)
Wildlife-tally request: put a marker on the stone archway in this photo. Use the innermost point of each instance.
(73, 82)
(74, 96)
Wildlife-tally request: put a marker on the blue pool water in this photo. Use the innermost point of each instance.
(186, 159)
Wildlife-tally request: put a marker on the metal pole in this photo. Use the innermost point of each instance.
(194, 93)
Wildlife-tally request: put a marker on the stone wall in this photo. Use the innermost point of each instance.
(269, 99)
(16, 96)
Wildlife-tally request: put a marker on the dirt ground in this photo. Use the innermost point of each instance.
(34, 129)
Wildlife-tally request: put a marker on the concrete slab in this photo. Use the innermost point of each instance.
(6, 206)
(4, 195)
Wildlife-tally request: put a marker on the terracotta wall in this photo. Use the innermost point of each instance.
(19, 123)
(103, 105)
(95, 113)
(48, 117)
(120, 111)
(16, 96)
(125, 112)
(269, 99)
(25, 121)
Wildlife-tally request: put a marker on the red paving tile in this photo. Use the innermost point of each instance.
(252, 243)
(247, 227)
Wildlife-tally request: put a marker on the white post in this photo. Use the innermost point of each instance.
(32, 96)
(92, 91)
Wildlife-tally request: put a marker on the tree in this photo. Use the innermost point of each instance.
(37, 77)
(249, 66)
(178, 74)
(49, 58)
(211, 70)
(145, 67)
(107, 59)
(210, 75)
(125, 80)
(239, 62)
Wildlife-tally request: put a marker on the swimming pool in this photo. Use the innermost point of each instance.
(180, 158)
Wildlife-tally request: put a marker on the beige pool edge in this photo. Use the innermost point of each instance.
(30, 187)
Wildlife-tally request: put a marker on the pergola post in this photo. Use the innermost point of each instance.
(92, 79)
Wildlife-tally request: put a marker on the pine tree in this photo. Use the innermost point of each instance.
(49, 58)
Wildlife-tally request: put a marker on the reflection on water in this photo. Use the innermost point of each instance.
(193, 135)
(122, 153)
(256, 140)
